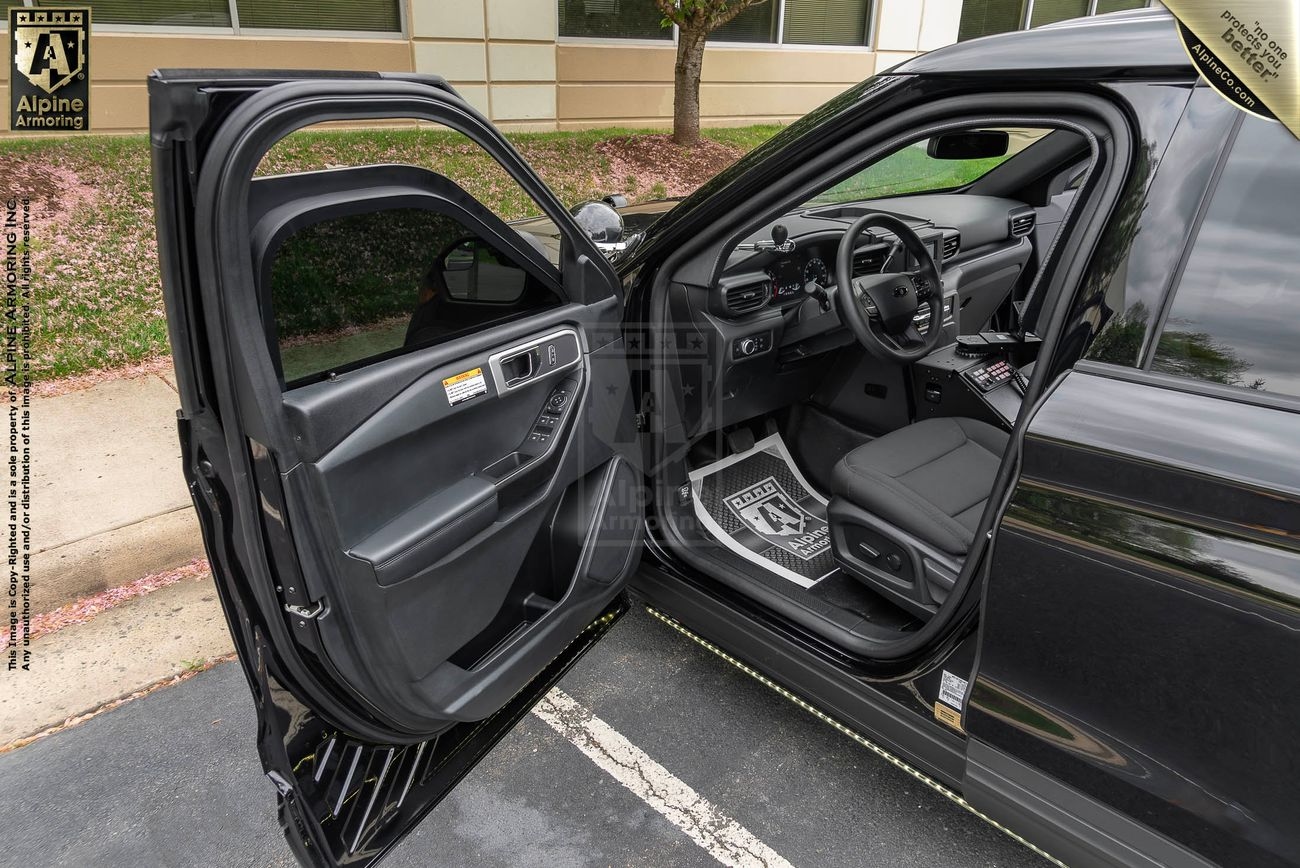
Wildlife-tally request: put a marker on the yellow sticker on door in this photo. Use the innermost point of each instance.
(462, 387)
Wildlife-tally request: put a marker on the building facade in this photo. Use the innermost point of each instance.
(543, 64)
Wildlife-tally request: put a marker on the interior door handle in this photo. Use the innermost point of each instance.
(535, 359)
(519, 367)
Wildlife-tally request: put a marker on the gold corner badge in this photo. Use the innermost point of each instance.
(50, 84)
(1246, 51)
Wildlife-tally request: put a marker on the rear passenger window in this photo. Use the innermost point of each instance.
(358, 288)
(1235, 317)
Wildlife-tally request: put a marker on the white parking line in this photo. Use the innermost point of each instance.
(724, 839)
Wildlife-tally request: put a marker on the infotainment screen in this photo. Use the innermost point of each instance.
(936, 250)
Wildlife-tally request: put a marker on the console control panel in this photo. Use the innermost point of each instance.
(751, 345)
(989, 376)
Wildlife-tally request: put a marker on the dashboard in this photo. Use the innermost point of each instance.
(756, 277)
(769, 317)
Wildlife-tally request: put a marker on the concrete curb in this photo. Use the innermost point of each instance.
(80, 667)
(115, 557)
(109, 499)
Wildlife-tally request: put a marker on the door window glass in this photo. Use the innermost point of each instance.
(1235, 312)
(355, 288)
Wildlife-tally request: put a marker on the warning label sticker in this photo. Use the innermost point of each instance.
(462, 387)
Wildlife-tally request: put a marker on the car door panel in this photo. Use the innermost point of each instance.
(1143, 607)
(411, 547)
(430, 535)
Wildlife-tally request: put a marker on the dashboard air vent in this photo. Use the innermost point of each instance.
(951, 244)
(869, 261)
(746, 298)
(1022, 223)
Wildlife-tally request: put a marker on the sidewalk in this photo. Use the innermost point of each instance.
(110, 509)
(119, 652)
(109, 499)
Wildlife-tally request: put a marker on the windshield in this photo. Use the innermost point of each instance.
(911, 170)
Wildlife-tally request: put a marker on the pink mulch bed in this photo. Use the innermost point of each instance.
(84, 609)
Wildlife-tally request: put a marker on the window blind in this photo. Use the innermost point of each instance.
(826, 22)
(983, 17)
(380, 16)
(755, 24)
(612, 19)
(168, 13)
(1104, 6)
(1051, 11)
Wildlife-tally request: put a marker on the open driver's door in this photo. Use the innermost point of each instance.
(415, 527)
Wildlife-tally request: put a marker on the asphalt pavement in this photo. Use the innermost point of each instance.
(173, 780)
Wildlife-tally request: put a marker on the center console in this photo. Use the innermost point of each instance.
(985, 384)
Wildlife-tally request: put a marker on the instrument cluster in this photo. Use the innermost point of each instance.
(791, 273)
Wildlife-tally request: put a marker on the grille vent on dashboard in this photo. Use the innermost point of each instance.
(1022, 224)
(869, 261)
(951, 244)
(746, 297)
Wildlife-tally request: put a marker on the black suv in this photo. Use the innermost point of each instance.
(964, 410)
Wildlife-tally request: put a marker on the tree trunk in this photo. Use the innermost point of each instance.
(686, 86)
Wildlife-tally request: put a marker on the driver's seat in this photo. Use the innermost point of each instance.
(907, 504)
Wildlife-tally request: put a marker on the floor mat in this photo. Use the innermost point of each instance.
(758, 505)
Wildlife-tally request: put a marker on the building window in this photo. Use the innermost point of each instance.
(774, 22)
(826, 22)
(983, 17)
(755, 24)
(1234, 313)
(360, 15)
(612, 19)
(378, 16)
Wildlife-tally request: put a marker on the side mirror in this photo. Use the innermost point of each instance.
(602, 223)
(473, 271)
(969, 145)
(462, 255)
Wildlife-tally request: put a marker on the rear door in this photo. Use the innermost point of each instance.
(405, 428)
(1137, 678)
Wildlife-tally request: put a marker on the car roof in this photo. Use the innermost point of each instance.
(1136, 44)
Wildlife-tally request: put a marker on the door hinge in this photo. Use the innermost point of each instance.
(303, 612)
(642, 419)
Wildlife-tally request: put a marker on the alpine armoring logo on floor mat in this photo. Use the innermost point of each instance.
(770, 512)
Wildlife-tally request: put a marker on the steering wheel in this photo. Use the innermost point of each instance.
(879, 308)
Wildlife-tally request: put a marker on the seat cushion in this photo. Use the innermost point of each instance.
(930, 479)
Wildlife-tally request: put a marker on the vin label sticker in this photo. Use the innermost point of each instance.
(952, 688)
(767, 510)
(461, 387)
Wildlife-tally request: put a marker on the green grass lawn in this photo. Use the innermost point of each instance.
(97, 301)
